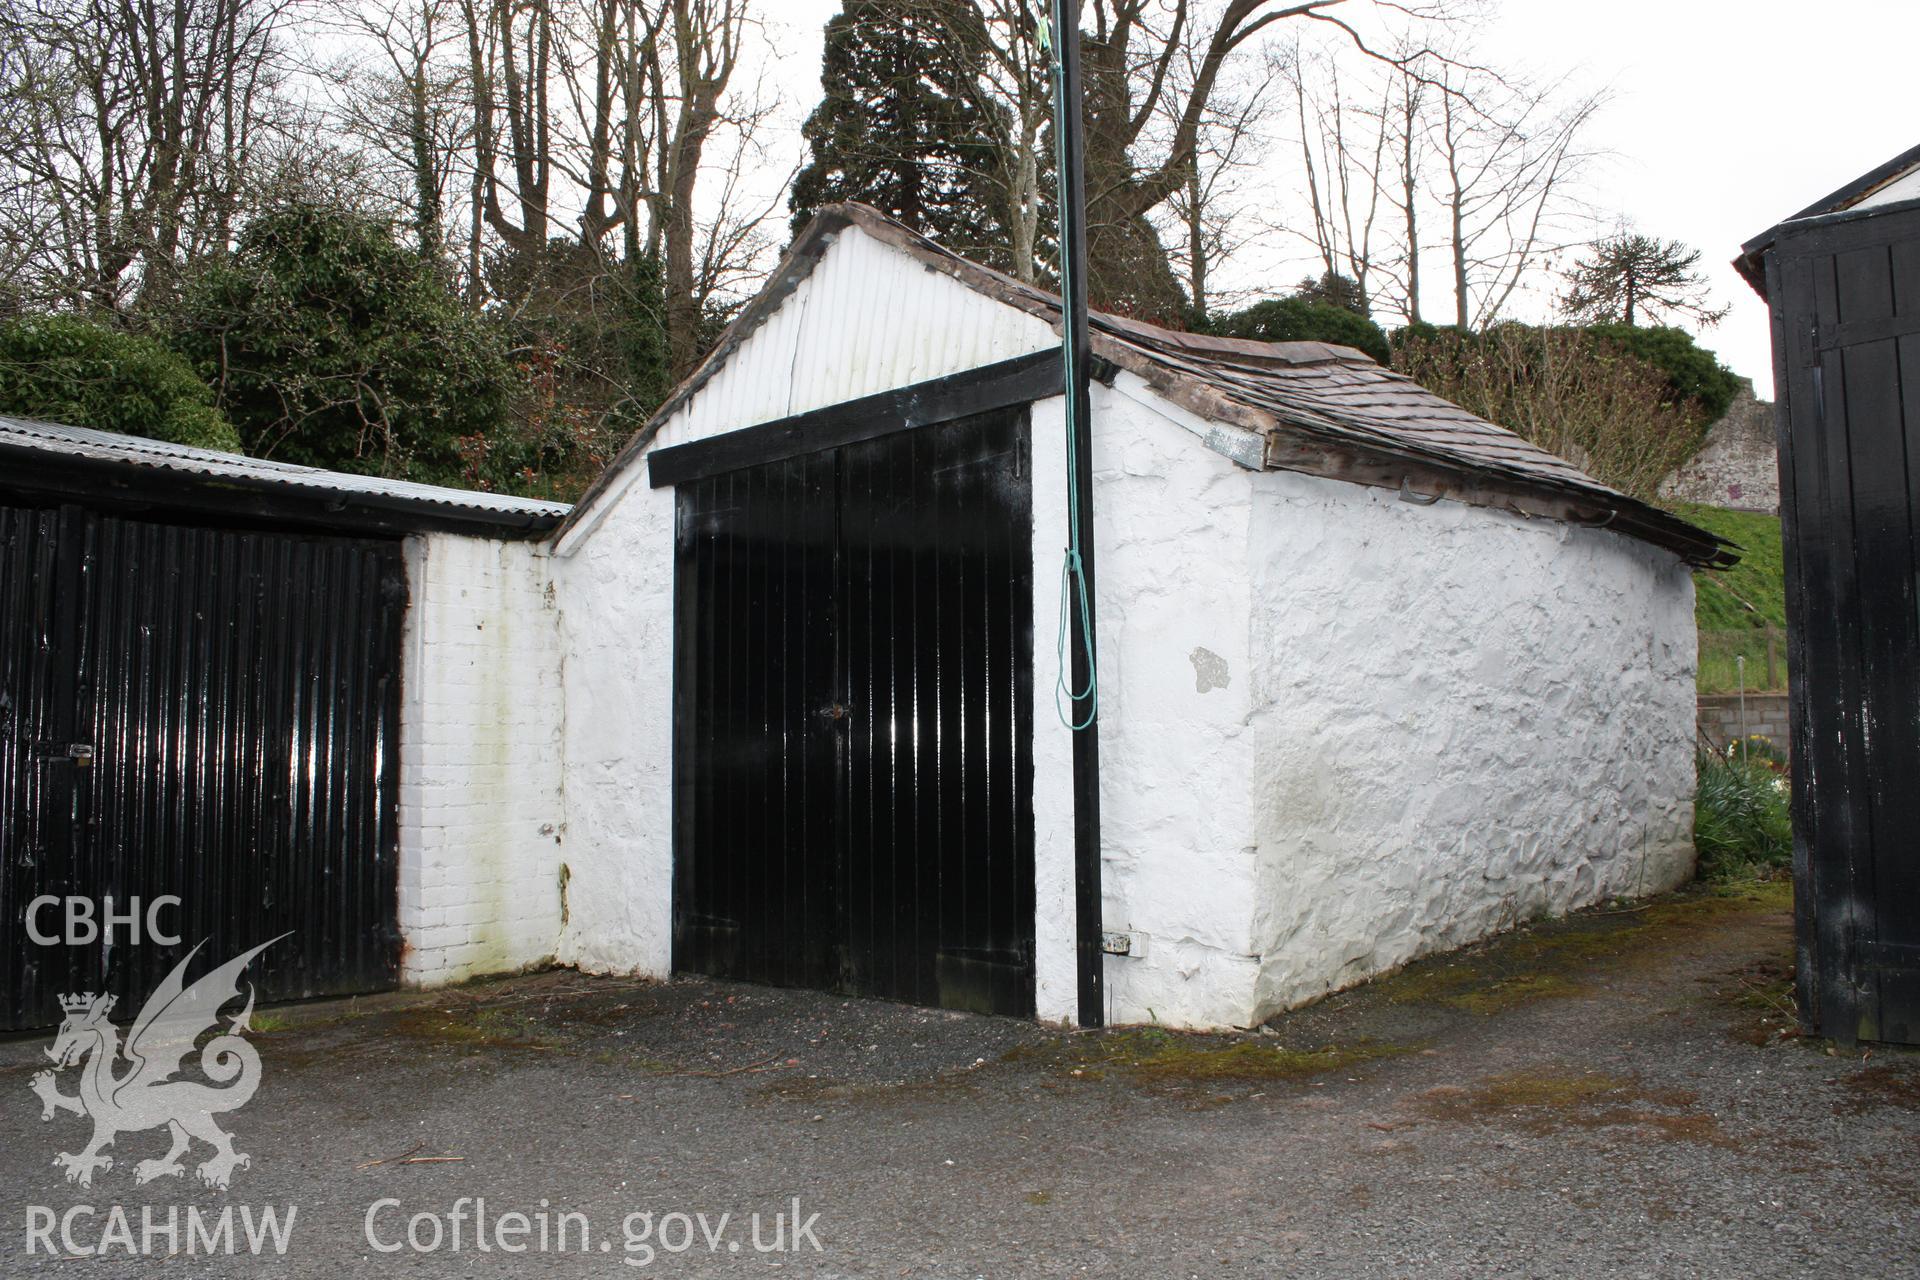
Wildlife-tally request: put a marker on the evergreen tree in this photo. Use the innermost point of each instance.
(899, 127)
(1634, 279)
(1335, 290)
(331, 344)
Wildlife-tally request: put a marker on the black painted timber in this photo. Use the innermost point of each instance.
(1018, 381)
(1846, 298)
(238, 692)
(853, 719)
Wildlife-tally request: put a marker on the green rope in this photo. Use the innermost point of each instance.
(1073, 571)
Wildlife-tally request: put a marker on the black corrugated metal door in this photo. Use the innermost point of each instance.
(1847, 297)
(237, 693)
(854, 716)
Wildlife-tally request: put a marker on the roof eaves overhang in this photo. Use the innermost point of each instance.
(135, 487)
(1303, 441)
(1751, 264)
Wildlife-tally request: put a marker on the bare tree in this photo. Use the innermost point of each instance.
(1506, 155)
(1015, 97)
(1213, 209)
(1345, 139)
(132, 128)
(407, 106)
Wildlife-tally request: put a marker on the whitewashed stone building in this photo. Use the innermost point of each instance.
(776, 700)
(1377, 678)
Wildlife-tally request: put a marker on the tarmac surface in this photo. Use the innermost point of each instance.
(1620, 1094)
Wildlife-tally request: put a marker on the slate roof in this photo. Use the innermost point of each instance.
(1331, 410)
(104, 453)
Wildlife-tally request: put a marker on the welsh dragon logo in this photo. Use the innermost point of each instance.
(146, 1096)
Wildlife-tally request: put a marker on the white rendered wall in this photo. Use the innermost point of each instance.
(480, 777)
(1462, 720)
(1337, 730)
(1905, 187)
(1056, 969)
(1172, 523)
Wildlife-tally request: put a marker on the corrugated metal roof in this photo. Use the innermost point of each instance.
(85, 445)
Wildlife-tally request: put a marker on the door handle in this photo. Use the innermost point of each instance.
(77, 753)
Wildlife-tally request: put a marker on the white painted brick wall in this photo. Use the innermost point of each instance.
(481, 818)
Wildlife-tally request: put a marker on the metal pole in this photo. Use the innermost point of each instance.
(1740, 673)
(1069, 146)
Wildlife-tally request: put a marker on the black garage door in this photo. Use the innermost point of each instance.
(210, 714)
(854, 715)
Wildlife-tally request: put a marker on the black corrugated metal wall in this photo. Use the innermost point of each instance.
(1846, 297)
(239, 694)
(854, 719)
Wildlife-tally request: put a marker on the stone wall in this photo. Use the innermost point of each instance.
(1737, 465)
(1462, 720)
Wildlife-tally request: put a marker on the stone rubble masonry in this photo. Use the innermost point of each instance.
(1737, 465)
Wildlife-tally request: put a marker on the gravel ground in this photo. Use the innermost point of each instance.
(1611, 1095)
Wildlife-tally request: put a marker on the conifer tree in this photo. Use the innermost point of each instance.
(899, 126)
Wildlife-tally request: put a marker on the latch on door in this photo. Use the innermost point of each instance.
(835, 711)
(81, 754)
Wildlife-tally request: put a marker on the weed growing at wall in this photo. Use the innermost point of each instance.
(1741, 825)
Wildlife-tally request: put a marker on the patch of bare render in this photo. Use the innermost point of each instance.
(1209, 670)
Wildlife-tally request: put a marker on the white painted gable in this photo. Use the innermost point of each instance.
(1904, 187)
(868, 318)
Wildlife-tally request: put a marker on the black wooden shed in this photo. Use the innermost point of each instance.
(1842, 277)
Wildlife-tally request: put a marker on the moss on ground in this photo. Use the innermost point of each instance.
(1156, 1056)
(1889, 1086)
(1551, 1098)
(1552, 960)
(474, 1027)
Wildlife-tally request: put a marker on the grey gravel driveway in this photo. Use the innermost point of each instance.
(1607, 1096)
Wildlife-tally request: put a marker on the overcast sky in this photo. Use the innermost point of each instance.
(1726, 115)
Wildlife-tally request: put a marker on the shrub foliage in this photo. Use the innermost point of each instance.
(330, 344)
(1570, 392)
(85, 374)
(1304, 320)
(1741, 819)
